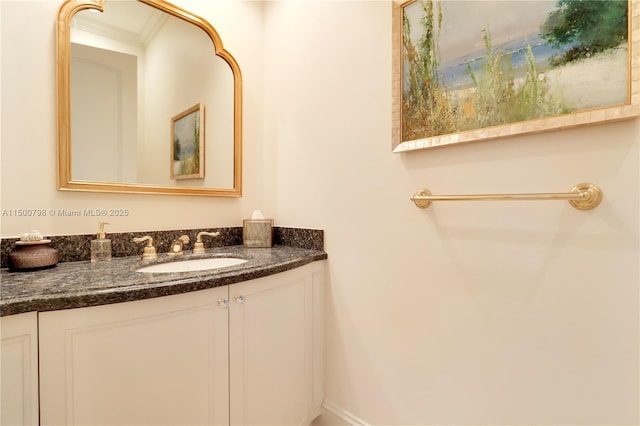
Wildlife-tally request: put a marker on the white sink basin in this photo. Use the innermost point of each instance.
(193, 265)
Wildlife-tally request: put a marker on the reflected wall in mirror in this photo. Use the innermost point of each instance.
(125, 69)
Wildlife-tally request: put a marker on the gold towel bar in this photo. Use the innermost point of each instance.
(583, 196)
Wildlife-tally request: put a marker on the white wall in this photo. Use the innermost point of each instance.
(481, 313)
(464, 313)
(29, 129)
(204, 79)
(105, 132)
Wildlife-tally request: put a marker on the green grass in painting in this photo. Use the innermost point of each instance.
(188, 166)
(425, 109)
(498, 96)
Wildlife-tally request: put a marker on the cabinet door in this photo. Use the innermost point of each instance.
(271, 346)
(160, 361)
(19, 372)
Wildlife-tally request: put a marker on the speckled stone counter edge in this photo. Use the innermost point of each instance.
(82, 284)
(74, 248)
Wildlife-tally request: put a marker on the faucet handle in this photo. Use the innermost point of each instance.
(149, 250)
(177, 246)
(198, 247)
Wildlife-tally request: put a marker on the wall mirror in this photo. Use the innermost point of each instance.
(149, 101)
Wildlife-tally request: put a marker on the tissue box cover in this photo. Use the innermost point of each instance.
(257, 232)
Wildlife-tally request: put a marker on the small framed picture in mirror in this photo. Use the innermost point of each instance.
(187, 144)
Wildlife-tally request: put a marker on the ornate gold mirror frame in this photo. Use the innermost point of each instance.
(63, 88)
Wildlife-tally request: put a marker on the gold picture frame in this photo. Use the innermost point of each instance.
(188, 144)
(402, 139)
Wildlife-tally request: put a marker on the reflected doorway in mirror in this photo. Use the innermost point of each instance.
(187, 144)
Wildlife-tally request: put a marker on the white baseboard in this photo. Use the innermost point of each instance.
(348, 418)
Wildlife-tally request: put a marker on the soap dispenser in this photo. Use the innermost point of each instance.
(101, 246)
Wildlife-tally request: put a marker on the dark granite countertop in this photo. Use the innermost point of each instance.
(80, 284)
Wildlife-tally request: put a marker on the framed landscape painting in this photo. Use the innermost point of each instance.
(187, 148)
(466, 71)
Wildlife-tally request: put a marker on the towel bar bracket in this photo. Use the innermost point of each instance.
(419, 200)
(591, 196)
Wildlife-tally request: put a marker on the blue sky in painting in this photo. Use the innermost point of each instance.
(464, 21)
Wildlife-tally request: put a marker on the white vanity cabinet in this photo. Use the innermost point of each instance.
(19, 372)
(276, 348)
(157, 361)
(249, 353)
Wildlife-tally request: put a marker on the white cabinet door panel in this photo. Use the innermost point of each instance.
(271, 343)
(161, 361)
(19, 372)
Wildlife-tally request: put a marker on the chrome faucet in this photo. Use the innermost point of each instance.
(178, 245)
(198, 247)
